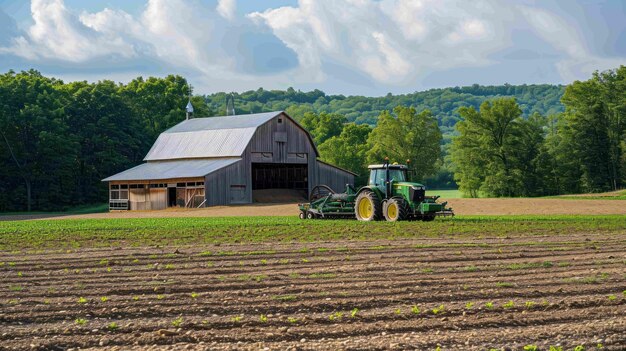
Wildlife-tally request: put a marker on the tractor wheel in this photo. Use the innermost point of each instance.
(310, 215)
(367, 207)
(302, 215)
(395, 209)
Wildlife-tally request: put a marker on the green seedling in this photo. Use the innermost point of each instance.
(160, 297)
(469, 305)
(292, 320)
(509, 304)
(415, 309)
(354, 312)
(112, 326)
(169, 266)
(398, 311)
(16, 288)
(104, 299)
(82, 300)
(556, 348)
(20, 274)
(263, 318)
(109, 269)
(335, 316)
(135, 298)
(438, 310)
(489, 305)
(177, 322)
(531, 348)
(263, 261)
(236, 319)
(80, 321)
(104, 262)
(194, 295)
(612, 297)
(504, 285)
(529, 304)
(579, 348)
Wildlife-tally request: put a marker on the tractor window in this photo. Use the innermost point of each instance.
(397, 175)
(380, 177)
(372, 176)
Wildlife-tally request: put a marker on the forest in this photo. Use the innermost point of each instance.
(58, 140)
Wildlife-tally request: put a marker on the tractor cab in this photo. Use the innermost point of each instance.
(391, 196)
(380, 174)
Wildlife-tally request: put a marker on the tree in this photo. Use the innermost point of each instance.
(323, 126)
(348, 150)
(407, 136)
(596, 118)
(496, 150)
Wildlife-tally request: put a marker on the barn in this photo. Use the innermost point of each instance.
(225, 160)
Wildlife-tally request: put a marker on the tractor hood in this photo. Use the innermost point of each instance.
(410, 184)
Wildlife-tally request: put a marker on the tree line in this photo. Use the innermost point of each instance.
(58, 140)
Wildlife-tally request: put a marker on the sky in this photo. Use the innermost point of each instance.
(351, 47)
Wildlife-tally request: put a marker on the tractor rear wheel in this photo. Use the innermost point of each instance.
(395, 209)
(367, 207)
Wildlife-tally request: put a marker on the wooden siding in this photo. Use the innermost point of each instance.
(220, 185)
(334, 177)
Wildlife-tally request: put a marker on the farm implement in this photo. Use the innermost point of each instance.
(387, 196)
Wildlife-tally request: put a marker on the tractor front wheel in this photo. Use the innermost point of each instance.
(367, 207)
(395, 209)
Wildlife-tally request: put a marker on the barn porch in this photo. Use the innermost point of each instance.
(157, 195)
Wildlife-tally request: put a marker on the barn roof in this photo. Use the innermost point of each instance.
(226, 136)
(173, 169)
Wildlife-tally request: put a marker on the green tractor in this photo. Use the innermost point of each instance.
(388, 196)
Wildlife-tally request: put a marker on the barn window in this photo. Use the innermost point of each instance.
(280, 120)
(118, 192)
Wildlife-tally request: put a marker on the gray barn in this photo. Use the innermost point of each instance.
(224, 160)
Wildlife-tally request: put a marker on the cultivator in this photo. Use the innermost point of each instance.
(387, 196)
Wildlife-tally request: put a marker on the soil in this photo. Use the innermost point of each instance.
(502, 206)
(544, 290)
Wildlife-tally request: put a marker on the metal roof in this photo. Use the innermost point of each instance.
(225, 136)
(155, 170)
(224, 122)
(391, 166)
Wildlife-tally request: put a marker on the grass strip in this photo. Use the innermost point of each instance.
(75, 233)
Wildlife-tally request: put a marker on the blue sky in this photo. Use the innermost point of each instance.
(364, 47)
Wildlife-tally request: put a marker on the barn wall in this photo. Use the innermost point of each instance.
(265, 146)
(229, 185)
(273, 142)
(334, 177)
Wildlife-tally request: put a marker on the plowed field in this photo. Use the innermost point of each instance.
(456, 293)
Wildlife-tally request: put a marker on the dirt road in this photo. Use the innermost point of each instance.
(509, 206)
(460, 294)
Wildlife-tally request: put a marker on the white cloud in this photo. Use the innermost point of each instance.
(58, 34)
(392, 41)
(226, 8)
(578, 61)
